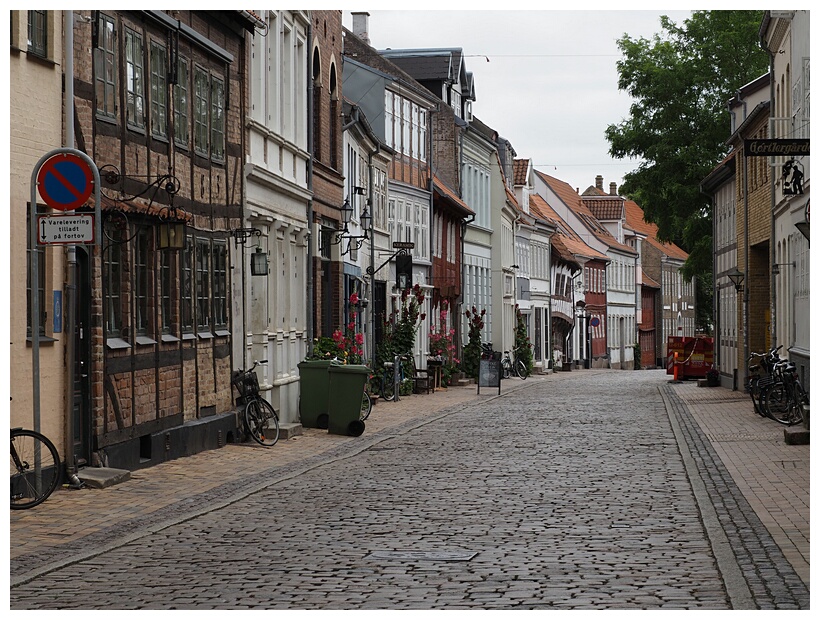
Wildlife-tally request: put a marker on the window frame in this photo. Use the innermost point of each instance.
(159, 90)
(216, 119)
(219, 280)
(202, 286)
(105, 68)
(201, 111)
(182, 115)
(40, 251)
(37, 34)
(134, 80)
(143, 267)
(186, 273)
(114, 314)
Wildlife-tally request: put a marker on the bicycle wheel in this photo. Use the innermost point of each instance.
(776, 404)
(388, 388)
(262, 422)
(367, 406)
(35, 469)
(521, 369)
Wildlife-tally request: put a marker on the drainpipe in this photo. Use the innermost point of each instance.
(772, 258)
(309, 300)
(372, 347)
(69, 307)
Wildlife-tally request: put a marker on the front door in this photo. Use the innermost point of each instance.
(82, 361)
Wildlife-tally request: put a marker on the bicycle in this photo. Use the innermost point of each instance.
(367, 405)
(261, 420)
(761, 378)
(518, 366)
(387, 383)
(35, 468)
(784, 400)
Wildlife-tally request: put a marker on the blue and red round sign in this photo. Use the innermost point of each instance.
(65, 181)
(595, 321)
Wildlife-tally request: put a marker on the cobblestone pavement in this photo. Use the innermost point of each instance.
(582, 490)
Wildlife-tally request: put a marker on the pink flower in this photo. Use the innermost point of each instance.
(354, 299)
(359, 339)
(337, 335)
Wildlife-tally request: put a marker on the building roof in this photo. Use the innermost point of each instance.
(520, 169)
(648, 282)
(605, 207)
(568, 239)
(573, 201)
(635, 220)
(442, 189)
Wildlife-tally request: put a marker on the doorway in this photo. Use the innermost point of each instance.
(82, 361)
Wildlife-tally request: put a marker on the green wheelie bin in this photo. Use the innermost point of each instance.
(345, 408)
(314, 392)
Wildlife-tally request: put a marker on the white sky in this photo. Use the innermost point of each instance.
(551, 84)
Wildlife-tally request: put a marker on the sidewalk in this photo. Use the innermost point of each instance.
(773, 476)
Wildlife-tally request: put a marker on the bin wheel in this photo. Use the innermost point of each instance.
(355, 428)
(321, 421)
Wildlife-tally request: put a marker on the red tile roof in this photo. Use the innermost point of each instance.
(567, 238)
(574, 202)
(520, 168)
(635, 220)
(445, 191)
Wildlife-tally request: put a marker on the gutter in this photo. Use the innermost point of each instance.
(310, 137)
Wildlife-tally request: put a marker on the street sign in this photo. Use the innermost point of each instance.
(403, 245)
(65, 181)
(595, 321)
(65, 229)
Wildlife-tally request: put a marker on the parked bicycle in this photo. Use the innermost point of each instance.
(261, 420)
(760, 377)
(35, 468)
(386, 383)
(784, 400)
(515, 365)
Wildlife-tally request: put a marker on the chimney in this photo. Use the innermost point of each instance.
(599, 182)
(360, 25)
(613, 189)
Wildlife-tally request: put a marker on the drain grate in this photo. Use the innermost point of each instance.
(430, 556)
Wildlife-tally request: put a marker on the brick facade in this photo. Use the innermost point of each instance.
(158, 369)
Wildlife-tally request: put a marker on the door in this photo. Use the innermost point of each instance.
(82, 361)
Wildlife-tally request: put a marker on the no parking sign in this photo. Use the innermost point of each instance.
(65, 181)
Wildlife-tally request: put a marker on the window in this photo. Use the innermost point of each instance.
(41, 277)
(113, 275)
(166, 283)
(217, 119)
(159, 91)
(220, 281)
(181, 116)
(37, 33)
(389, 119)
(203, 284)
(142, 278)
(187, 314)
(134, 80)
(422, 135)
(201, 112)
(105, 69)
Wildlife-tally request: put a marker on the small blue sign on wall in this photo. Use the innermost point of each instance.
(58, 312)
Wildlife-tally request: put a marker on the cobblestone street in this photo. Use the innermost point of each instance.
(583, 490)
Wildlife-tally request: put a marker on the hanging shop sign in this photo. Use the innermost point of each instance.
(767, 147)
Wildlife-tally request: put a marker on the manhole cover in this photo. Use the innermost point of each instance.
(433, 556)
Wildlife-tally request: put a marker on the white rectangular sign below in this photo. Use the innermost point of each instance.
(67, 229)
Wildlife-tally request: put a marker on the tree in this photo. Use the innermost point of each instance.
(679, 123)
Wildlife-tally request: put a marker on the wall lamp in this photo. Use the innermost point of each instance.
(259, 258)
(171, 231)
(353, 241)
(776, 267)
(737, 277)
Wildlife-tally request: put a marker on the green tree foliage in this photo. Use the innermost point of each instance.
(472, 351)
(681, 82)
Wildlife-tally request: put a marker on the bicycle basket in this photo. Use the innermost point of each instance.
(246, 383)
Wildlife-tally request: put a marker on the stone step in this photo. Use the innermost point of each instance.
(289, 429)
(796, 435)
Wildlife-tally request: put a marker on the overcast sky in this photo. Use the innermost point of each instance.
(545, 80)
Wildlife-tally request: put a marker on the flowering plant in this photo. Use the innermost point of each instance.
(442, 345)
(346, 344)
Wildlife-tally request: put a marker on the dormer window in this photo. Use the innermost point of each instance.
(455, 101)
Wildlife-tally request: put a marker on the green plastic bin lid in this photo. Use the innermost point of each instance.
(317, 363)
(350, 368)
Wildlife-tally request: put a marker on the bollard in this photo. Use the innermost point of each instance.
(675, 367)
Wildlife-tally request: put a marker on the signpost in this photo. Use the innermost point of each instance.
(65, 229)
(489, 374)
